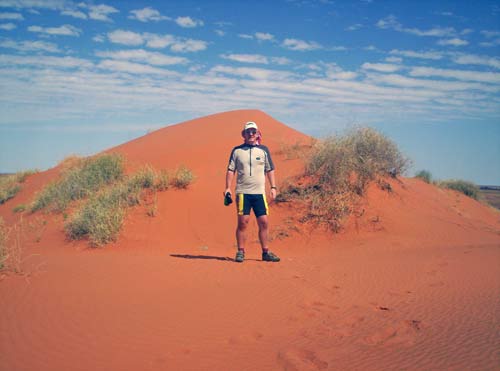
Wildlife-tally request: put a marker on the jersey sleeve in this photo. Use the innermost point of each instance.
(269, 166)
(231, 166)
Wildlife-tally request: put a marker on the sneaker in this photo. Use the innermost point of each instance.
(240, 256)
(270, 257)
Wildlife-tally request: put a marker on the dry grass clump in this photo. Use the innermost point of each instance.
(338, 171)
(467, 188)
(182, 177)
(81, 179)
(10, 185)
(104, 193)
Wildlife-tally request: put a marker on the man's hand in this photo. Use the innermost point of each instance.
(226, 191)
(274, 192)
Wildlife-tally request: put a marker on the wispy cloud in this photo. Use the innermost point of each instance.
(140, 55)
(477, 60)
(188, 22)
(99, 12)
(380, 67)
(246, 58)
(74, 13)
(147, 14)
(453, 42)
(30, 46)
(418, 54)
(134, 68)
(264, 36)
(301, 45)
(12, 16)
(176, 44)
(7, 26)
(487, 77)
(64, 30)
(391, 22)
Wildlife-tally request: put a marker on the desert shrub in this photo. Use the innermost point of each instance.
(19, 208)
(350, 162)
(10, 184)
(182, 177)
(101, 217)
(84, 178)
(338, 171)
(425, 175)
(467, 188)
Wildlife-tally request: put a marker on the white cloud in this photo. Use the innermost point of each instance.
(394, 59)
(12, 16)
(391, 22)
(220, 33)
(126, 38)
(101, 12)
(64, 30)
(134, 68)
(157, 41)
(46, 4)
(453, 42)
(300, 45)
(477, 60)
(488, 77)
(354, 27)
(7, 26)
(420, 55)
(147, 14)
(140, 55)
(245, 36)
(490, 34)
(29, 46)
(246, 58)
(380, 67)
(188, 45)
(262, 36)
(74, 14)
(45, 61)
(99, 38)
(188, 22)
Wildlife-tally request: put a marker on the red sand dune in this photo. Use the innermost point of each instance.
(413, 284)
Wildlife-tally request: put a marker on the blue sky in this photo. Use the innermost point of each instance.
(77, 77)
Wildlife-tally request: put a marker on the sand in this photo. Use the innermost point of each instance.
(412, 284)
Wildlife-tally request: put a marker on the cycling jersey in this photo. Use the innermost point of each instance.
(251, 163)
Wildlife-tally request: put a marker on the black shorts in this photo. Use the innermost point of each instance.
(246, 202)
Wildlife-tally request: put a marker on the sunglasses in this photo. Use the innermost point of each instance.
(251, 132)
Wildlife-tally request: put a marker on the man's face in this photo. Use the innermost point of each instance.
(250, 136)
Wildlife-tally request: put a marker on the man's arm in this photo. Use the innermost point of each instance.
(272, 182)
(229, 181)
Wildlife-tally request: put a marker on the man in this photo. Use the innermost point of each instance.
(251, 162)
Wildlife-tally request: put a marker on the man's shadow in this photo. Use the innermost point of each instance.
(204, 257)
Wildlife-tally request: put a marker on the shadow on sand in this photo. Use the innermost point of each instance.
(205, 257)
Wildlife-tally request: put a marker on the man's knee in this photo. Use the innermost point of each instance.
(243, 223)
(262, 221)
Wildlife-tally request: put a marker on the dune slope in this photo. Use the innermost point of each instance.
(412, 283)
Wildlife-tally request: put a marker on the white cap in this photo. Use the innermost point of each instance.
(251, 125)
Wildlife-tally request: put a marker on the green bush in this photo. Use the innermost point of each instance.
(467, 188)
(425, 175)
(77, 182)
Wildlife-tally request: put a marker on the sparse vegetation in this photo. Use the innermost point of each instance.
(182, 177)
(105, 194)
(85, 177)
(10, 184)
(338, 171)
(19, 208)
(467, 188)
(425, 175)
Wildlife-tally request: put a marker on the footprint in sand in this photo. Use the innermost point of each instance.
(301, 360)
(404, 333)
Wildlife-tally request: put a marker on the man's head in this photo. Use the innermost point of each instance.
(250, 133)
